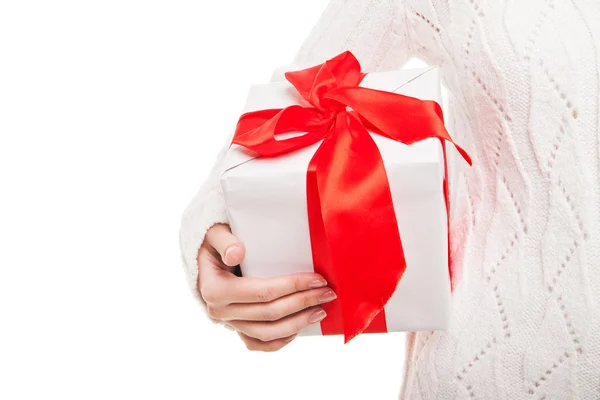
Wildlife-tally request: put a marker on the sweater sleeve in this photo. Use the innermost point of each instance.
(374, 30)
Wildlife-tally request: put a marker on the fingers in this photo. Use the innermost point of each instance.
(285, 327)
(273, 310)
(258, 345)
(232, 251)
(267, 312)
(220, 289)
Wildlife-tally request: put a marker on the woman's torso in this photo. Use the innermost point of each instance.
(523, 79)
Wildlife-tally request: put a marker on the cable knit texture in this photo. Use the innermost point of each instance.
(523, 78)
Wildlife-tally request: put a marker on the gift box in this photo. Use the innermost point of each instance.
(344, 173)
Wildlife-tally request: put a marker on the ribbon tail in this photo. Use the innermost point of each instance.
(398, 117)
(321, 254)
(365, 256)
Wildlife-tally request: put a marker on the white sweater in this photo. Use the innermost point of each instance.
(524, 82)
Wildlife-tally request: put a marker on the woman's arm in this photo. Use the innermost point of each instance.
(206, 209)
(374, 30)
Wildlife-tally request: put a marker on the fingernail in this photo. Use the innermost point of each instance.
(229, 252)
(327, 296)
(317, 316)
(318, 283)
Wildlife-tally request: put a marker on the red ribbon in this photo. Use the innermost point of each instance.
(354, 234)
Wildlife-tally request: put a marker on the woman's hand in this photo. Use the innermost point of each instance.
(267, 313)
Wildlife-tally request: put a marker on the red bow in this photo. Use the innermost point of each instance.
(355, 241)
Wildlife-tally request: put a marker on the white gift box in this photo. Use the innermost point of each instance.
(267, 207)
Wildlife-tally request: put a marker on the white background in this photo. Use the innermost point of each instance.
(111, 114)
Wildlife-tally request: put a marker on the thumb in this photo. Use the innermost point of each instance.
(232, 251)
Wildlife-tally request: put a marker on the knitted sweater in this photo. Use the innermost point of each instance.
(523, 78)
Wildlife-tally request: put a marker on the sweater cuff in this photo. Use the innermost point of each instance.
(197, 219)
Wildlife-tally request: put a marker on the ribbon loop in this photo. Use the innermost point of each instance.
(314, 83)
(257, 130)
